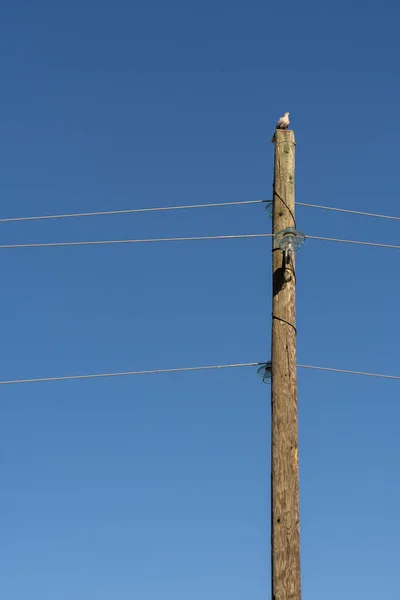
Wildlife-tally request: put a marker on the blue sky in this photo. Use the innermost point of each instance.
(158, 486)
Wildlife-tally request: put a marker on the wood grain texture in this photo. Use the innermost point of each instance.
(285, 511)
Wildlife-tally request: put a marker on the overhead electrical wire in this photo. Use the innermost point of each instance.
(185, 207)
(329, 239)
(194, 238)
(365, 374)
(135, 241)
(128, 211)
(126, 373)
(186, 239)
(349, 211)
(188, 369)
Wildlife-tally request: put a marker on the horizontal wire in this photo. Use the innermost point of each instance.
(183, 207)
(187, 239)
(187, 369)
(346, 210)
(126, 373)
(138, 241)
(349, 372)
(128, 211)
(329, 239)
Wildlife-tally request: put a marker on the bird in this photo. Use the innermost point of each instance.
(283, 123)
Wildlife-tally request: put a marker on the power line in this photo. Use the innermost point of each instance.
(136, 241)
(184, 207)
(187, 369)
(329, 239)
(128, 211)
(346, 210)
(185, 239)
(349, 372)
(125, 373)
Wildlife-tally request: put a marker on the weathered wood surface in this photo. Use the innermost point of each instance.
(285, 524)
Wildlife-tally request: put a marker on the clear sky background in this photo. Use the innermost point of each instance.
(157, 487)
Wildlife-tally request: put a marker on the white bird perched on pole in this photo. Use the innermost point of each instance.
(283, 123)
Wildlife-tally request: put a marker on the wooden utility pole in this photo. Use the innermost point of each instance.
(285, 511)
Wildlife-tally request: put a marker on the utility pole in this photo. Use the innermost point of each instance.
(285, 510)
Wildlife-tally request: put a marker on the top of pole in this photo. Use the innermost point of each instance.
(284, 135)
